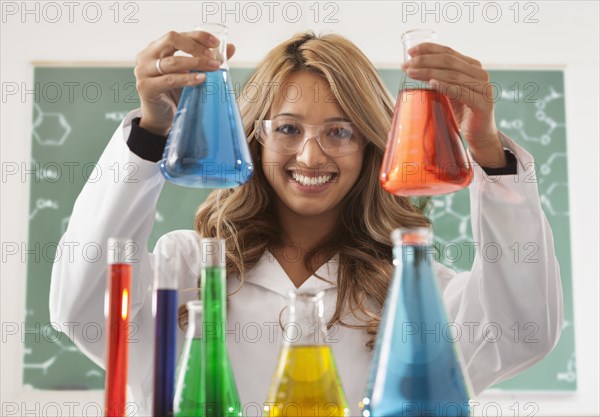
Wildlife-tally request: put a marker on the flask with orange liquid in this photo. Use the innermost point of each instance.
(424, 155)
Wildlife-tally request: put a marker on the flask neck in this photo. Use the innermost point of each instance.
(305, 324)
(121, 251)
(213, 284)
(414, 37)
(221, 33)
(412, 245)
(194, 329)
(213, 298)
(213, 252)
(412, 236)
(167, 267)
(409, 39)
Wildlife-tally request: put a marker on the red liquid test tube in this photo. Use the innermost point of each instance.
(117, 304)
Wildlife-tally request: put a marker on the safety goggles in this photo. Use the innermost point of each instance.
(288, 136)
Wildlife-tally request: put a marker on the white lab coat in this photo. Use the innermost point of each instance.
(504, 210)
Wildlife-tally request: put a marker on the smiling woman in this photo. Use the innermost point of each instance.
(314, 216)
(311, 83)
(298, 182)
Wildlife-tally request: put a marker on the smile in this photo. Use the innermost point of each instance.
(311, 181)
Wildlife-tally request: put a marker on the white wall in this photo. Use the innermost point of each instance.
(565, 36)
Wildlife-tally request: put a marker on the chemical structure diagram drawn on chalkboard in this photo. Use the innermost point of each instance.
(540, 114)
(42, 204)
(571, 373)
(54, 126)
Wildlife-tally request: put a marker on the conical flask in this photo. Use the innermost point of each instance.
(416, 368)
(306, 382)
(189, 391)
(207, 145)
(220, 389)
(424, 155)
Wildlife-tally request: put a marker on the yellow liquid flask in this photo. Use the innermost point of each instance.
(306, 382)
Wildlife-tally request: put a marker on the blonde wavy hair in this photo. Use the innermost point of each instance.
(244, 216)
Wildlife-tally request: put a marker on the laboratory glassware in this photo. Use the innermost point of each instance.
(424, 154)
(207, 146)
(417, 365)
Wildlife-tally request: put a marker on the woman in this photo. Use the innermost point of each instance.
(316, 217)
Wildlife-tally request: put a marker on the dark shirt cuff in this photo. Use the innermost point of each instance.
(144, 144)
(150, 146)
(509, 169)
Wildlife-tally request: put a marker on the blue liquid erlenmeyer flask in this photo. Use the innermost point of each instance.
(207, 145)
(416, 368)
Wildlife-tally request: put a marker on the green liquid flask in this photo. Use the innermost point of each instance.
(220, 390)
(189, 392)
(416, 368)
(306, 382)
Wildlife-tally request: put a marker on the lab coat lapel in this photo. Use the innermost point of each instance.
(269, 274)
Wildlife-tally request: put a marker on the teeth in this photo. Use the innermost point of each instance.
(307, 181)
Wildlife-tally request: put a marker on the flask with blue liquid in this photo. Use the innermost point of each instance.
(207, 145)
(416, 368)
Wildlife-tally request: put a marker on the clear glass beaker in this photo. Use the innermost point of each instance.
(306, 382)
(207, 145)
(424, 155)
(416, 367)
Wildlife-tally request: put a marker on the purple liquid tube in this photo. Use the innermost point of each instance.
(166, 270)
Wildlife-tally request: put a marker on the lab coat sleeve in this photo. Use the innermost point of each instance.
(111, 206)
(508, 308)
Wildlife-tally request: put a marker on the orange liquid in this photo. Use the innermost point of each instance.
(119, 290)
(424, 154)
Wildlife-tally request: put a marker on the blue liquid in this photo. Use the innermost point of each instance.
(415, 370)
(165, 344)
(207, 145)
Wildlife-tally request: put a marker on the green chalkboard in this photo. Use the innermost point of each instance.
(76, 110)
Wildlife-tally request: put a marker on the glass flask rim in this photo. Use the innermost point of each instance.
(208, 239)
(194, 305)
(216, 259)
(424, 232)
(411, 34)
(120, 251)
(306, 295)
(218, 28)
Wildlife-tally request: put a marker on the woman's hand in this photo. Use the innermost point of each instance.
(159, 94)
(471, 95)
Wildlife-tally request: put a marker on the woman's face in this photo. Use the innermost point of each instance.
(309, 182)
